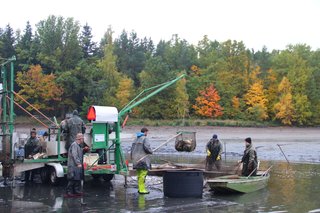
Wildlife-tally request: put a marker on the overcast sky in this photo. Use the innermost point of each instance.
(274, 23)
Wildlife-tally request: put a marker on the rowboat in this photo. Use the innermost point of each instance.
(239, 184)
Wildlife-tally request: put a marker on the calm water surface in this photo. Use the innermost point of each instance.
(293, 188)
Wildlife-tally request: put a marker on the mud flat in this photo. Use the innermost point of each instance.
(298, 144)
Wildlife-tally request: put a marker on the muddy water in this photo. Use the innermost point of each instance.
(293, 188)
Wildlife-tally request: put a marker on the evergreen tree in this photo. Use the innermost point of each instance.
(88, 47)
(25, 54)
(7, 42)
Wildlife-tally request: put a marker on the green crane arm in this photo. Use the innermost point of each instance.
(138, 100)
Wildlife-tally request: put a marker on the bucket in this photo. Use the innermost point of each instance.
(181, 184)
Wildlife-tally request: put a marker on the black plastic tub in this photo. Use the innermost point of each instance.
(183, 183)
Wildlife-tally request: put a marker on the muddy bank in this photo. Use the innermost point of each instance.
(298, 144)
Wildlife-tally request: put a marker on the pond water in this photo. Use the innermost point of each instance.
(292, 188)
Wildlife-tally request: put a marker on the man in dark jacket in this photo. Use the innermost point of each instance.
(31, 148)
(75, 125)
(75, 167)
(214, 150)
(249, 159)
(140, 148)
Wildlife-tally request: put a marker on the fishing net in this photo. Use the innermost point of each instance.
(186, 141)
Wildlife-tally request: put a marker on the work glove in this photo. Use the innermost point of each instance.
(218, 157)
(86, 149)
(208, 153)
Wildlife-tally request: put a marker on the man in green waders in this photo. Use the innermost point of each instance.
(140, 148)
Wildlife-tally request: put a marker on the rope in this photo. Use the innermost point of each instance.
(26, 111)
(35, 109)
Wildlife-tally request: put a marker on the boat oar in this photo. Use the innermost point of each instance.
(252, 172)
(283, 153)
(161, 145)
(267, 171)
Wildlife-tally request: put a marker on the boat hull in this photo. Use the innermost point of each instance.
(238, 184)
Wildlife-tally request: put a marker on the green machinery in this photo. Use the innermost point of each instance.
(102, 135)
(105, 134)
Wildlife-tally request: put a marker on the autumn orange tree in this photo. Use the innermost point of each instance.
(39, 89)
(207, 103)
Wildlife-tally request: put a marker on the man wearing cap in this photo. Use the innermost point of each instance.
(140, 148)
(75, 167)
(214, 150)
(249, 159)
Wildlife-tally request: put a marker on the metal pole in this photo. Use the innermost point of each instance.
(164, 85)
(118, 148)
(225, 152)
(161, 145)
(283, 153)
(4, 111)
(11, 108)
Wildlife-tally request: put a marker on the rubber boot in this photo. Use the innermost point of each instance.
(77, 188)
(69, 190)
(142, 173)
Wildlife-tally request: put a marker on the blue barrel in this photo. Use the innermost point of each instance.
(181, 184)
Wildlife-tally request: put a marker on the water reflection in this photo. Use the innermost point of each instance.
(293, 188)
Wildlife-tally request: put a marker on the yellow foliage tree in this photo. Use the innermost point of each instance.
(207, 103)
(182, 99)
(284, 108)
(124, 92)
(256, 101)
(39, 89)
(271, 86)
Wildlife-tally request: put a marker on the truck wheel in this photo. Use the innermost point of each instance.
(44, 174)
(96, 176)
(53, 178)
(107, 177)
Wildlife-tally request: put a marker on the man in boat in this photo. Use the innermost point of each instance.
(140, 148)
(214, 150)
(249, 159)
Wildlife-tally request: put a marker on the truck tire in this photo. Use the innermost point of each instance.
(53, 178)
(96, 176)
(44, 174)
(107, 177)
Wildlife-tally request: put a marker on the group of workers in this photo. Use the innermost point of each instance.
(249, 159)
(141, 149)
(73, 129)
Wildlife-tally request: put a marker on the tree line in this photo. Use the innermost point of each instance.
(59, 68)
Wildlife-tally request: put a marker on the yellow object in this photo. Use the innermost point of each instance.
(142, 173)
(208, 153)
(218, 157)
